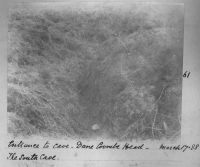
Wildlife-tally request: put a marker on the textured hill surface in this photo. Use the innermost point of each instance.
(95, 73)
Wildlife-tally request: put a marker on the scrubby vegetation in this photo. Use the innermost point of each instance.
(71, 69)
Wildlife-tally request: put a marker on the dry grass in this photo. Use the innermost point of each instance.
(122, 72)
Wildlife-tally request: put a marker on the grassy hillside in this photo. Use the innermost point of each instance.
(72, 70)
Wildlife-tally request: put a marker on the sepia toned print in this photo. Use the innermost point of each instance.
(111, 71)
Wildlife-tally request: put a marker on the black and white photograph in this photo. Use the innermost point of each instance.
(92, 71)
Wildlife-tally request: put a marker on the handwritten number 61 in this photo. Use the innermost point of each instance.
(186, 74)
